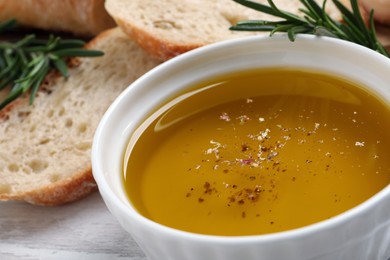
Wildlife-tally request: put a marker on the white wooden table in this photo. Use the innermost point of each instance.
(80, 230)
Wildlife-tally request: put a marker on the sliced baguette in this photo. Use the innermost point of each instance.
(81, 17)
(45, 148)
(167, 28)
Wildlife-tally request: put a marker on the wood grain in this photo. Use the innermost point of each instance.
(81, 230)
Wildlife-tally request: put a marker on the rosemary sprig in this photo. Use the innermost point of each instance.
(315, 20)
(25, 63)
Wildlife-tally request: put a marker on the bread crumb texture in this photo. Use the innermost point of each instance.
(167, 28)
(45, 148)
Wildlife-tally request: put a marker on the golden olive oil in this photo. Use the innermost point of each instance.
(260, 152)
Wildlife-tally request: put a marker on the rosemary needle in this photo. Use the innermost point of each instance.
(316, 21)
(25, 63)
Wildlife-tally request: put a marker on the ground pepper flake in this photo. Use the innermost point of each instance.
(244, 148)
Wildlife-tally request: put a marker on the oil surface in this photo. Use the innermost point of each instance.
(260, 152)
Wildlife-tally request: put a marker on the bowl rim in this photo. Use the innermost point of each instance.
(333, 222)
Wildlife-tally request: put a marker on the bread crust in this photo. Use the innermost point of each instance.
(155, 46)
(81, 17)
(62, 192)
(381, 10)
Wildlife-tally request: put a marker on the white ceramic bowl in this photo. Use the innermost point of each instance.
(360, 233)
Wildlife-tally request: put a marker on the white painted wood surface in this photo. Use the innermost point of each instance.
(80, 230)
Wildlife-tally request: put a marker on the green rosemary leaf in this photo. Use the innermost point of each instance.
(77, 52)
(42, 45)
(255, 25)
(352, 32)
(292, 32)
(66, 44)
(313, 9)
(34, 49)
(38, 81)
(52, 43)
(308, 16)
(346, 13)
(34, 67)
(22, 56)
(10, 66)
(284, 14)
(359, 19)
(378, 46)
(61, 67)
(282, 28)
(26, 40)
(371, 34)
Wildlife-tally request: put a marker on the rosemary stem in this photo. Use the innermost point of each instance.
(25, 63)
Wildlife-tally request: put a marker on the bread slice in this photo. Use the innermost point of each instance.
(383, 33)
(45, 148)
(166, 28)
(81, 17)
(381, 10)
